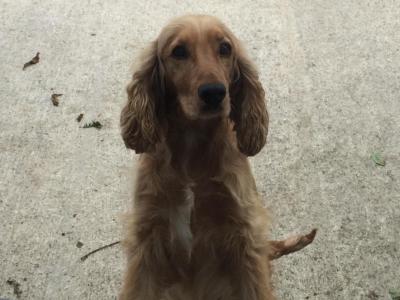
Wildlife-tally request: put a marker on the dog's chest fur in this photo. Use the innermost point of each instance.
(193, 162)
(197, 162)
(179, 220)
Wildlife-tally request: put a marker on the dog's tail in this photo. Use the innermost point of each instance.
(290, 245)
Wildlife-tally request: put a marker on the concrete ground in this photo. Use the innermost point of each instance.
(332, 73)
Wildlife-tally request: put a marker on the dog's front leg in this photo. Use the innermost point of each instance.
(230, 250)
(157, 241)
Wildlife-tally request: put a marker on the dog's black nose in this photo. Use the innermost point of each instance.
(212, 93)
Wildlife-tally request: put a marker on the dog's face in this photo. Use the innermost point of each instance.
(198, 60)
(197, 69)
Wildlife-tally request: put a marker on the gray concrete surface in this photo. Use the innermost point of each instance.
(332, 72)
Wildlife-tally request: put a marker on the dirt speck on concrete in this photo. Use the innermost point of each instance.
(16, 287)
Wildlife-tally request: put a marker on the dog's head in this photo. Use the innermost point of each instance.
(198, 68)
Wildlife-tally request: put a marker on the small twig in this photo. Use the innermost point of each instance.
(279, 248)
(83, 258)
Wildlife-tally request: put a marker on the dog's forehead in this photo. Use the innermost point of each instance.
(207, 31)
(193, 28)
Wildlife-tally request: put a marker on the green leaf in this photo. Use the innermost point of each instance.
(95, 124)
(395, 294)
(378, 159)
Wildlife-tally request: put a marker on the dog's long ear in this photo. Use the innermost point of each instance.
(249, 111)
(141, 116)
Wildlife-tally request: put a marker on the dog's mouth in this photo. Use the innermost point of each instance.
(193, 110)
(212, 111)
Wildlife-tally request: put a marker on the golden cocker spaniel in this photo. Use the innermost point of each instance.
(195, 111)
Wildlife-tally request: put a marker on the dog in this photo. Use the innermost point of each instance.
(195, 112)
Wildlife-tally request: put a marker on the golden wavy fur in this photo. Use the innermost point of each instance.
(198, 228)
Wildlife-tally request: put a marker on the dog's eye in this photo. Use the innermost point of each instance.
(180, 52)
(225, 49)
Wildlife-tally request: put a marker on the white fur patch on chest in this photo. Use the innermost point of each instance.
(179, 219)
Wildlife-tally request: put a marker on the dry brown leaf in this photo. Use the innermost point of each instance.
(33, 61)
(79, 118)
(55, 100)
